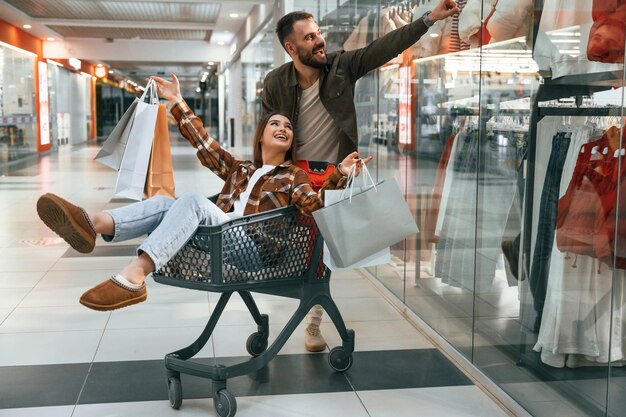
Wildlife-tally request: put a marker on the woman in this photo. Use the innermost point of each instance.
(272, 180)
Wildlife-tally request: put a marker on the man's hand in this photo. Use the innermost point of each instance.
(444, 9)
(169, 90)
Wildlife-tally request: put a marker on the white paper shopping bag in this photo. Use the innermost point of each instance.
(112, 151)
(379, 258)
(365, 222)
(131, 177)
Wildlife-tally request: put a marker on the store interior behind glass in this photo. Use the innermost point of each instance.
(503, 126)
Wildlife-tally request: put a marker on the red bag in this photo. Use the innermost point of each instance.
(318, 171)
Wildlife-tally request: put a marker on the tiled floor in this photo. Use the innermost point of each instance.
(59, 359)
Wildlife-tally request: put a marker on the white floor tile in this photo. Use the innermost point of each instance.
(353, 288)
(159, 293)
(9, 240)
(464, 401)
(20, 279)
(4, 313)
(278, 309)
(53, 297)
(11, 297)
(152, 315)
(148, 344)
(367, 309)
(231, 340)
(64, 411)
(378, 335)
(340, 404)
(109, 264)
(190, 408)
(48, 348)
(344, 404)
(73, 278)
(28, 259)
(34, 255)
(53, 319)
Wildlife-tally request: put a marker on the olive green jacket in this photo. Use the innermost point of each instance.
(281, 91)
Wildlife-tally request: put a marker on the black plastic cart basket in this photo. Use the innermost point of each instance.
(277, 252)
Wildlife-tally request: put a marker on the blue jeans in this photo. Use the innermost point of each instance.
(169, 223)
(548, 209)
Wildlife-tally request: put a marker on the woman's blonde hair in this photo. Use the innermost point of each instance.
(257, 154)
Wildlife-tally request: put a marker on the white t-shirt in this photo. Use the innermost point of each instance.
(317, 134)
(240, 204)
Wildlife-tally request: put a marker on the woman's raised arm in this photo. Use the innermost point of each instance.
(208, 150)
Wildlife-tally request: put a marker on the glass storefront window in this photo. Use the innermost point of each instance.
(257, 61)
(504, 126)
(18, 120)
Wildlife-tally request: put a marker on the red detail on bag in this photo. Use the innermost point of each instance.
(318, 171)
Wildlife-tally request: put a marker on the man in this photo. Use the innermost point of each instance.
(316, 90)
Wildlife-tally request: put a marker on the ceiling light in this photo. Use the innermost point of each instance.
(434, 35)
(51, 39)
(211, 63)
(221, 43)
(234, 15)
(75, 63)
(27, 26)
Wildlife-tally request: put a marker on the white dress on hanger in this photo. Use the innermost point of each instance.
(576, 323)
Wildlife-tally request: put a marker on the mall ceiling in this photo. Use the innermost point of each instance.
(159, 31)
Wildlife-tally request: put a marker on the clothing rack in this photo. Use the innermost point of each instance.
(564, 87)
(581, 111)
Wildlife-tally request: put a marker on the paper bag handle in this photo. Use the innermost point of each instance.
(151, 88)
(350, 181)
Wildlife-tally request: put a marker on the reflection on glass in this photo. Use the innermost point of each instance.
(607, 34)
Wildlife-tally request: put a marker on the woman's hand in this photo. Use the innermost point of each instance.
(169, 90)
(352, 160)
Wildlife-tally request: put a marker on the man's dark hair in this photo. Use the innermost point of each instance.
(284, 27)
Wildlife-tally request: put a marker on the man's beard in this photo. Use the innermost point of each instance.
(308, 58)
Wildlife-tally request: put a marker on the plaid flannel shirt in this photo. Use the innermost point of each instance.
(284, 185)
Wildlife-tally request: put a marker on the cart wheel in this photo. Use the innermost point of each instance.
(256, 344)
(225, 403)
(339, 360)
(175, 391)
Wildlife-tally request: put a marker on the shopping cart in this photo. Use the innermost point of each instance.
(277, 252)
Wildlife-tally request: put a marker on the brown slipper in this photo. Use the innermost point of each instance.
(111, 295)
(68, 221)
